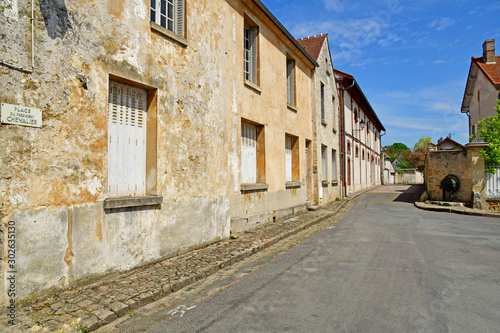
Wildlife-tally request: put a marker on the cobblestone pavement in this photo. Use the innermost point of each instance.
(89, 307)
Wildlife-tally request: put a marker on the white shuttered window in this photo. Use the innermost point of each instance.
(250, 53)
(324, 166)
(169, 14)
(248, 153)
(288, 158)
(290, 81)
(126, 140)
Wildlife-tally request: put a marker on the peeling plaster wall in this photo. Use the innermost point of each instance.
(57, 175)
(267, 108)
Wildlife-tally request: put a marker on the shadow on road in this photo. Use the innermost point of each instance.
(409, 195)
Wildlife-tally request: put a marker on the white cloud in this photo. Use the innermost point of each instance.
(335, 5)
(437, 62)
(441, 24)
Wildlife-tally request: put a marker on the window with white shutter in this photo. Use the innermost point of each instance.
(334, 164)
(290, 81)
(323, 163)
(288, 158)
(248, 153)
(168, 14)
(126, 140)
(323, 111)
(250, 55)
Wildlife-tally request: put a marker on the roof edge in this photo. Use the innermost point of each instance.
(285, 31)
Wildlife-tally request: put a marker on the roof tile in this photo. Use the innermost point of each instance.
(313, 44)
(492, 71)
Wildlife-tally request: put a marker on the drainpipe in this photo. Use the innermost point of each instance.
(468, 116)
(19, 68)
(342, 139)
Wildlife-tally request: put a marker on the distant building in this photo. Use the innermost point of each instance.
(326, 123)
(360, 135)
(483, 86)
(449, 144)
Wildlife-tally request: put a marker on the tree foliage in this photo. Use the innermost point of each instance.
(398, 151)
(489, 130)
(422, 143)
(417, 157)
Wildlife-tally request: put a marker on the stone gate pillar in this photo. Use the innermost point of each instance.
(477, 167)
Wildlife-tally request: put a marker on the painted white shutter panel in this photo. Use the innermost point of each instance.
(288, 158)
(248, 153)
(126, 140)
(323, 164)
(253, 49)
(179, 22)
(290, 81)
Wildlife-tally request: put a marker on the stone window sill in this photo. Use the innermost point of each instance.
(253, 86)
(123, 202)
(292, 107)
(335, 182)
(324, 123)
(167, 33)
(325, 183)
(293, 184)
(254, 187)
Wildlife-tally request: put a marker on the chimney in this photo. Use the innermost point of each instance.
(489, 51)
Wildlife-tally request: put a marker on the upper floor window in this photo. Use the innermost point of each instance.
(250, 53)
(168, 14)
(323, 114)
(290, 81)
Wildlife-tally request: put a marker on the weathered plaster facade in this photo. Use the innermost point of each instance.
(263, 104)
(326, 147)
(54, 179)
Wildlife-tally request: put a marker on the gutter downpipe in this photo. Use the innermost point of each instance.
(343, 140)
(19, 68)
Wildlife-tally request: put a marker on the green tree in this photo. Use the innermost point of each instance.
(398, 150)
(489, 130)
(422, 143)
(417, 157)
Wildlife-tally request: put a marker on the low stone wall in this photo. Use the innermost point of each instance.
(441, 163)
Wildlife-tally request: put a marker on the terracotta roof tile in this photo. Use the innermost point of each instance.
(313, 44)
(492, 71)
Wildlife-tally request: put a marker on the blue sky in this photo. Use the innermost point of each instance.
(411, 58)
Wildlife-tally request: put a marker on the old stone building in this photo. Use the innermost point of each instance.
(269, 82)
(360, 135)
(129, 162)
(482, 89)
(326, 144)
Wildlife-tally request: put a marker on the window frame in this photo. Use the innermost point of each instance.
(150, 197)
(324, 163)
(334, 165)
(323, 107)
(290, 82)
(260, 160)
(251, 53)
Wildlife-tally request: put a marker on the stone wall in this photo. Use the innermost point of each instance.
(441, 163)
(53, 179)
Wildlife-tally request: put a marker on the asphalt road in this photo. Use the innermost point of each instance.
(383, 267)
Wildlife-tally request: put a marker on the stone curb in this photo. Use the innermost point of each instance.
(455, 210)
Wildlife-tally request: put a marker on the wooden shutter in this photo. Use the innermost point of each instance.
(248, 153)
(288, 158)
(179, 19)
(290, 82)
(334, 164)
(253, 54)
(324, 174)
(126, 140)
